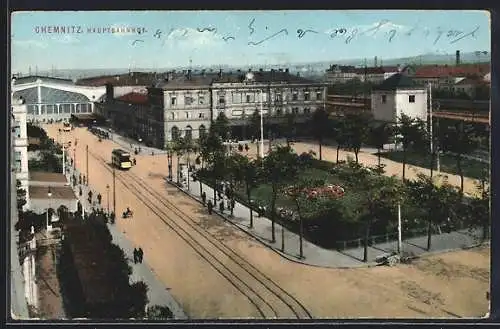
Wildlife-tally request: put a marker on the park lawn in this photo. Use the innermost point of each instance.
(262, 194)
(471, 168)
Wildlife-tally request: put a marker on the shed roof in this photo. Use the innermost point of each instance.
(398, 81)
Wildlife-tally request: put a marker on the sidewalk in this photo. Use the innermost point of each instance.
(157, 293)
(317, 256)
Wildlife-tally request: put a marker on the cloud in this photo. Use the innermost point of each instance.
(30, 43)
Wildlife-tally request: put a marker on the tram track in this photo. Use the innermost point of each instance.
(270, 300)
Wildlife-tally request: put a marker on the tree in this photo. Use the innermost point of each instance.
(254, 128)
(459, 140)
(319, 127)
(437, 202)
(357, 126)
(21, 195)
(379, 136)
(289, 128)
(409, 133)
(158, 312)
(179, 148)
(280, 166)
(378, 202)
(221, 126)
(245, 171)
(340, 134)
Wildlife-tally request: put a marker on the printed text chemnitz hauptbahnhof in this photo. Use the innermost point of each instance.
(68, 29)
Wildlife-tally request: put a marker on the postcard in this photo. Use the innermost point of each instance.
(197, 165)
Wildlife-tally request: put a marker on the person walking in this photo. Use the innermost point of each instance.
(203, 198)
(136, 255)
(210, 207)
(140, 253)
(99, 198)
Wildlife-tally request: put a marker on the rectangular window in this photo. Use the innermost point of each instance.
(248, 99)
(43, 109)
(384, 99)
(295, 110)
(411, 98)
(17, 161)
(187, 115)
(173, 100)
(278, 97)
(222, 100)
(201, 99)
(307, 97)
(295, 96)
(201, 115)
(319, 95)
(17, 129)
(188, 100)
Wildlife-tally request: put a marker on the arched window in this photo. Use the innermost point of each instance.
(175, 133)
(189, 132)
(202, 131)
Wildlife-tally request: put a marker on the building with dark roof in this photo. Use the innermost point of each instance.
(342, 74)
(181, 104)
(398, 95)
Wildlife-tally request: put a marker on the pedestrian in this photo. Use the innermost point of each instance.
(136, 256)
(135, 161)
(240, 147)
(140, 253)
(210, 206)
(233, 203)
(221, 206)
(203, 198)
(246, 147)
(90, 196)
(81, 192)
(80, 179)
(99, 198)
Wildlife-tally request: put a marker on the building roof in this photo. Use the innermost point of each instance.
(361, 70)
(397, 81)
(33, 78)
(85, 116)
(58, 192)
(134, 98)
(469, 81)
(127, 79)
(40, 176)
(438, 71)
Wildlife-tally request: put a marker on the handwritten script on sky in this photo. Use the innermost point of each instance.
(346, 34)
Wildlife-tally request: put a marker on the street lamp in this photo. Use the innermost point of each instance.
(107, 195)
(49, 194)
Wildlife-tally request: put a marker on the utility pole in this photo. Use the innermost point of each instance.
(114, 191)
(261, 128)
(87, 160)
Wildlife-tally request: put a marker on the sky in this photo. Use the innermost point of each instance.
(163, 39)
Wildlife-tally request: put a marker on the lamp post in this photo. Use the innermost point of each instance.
(114, 191)
(87, 162)
(261, 127)
(49, 194)
(107, 195)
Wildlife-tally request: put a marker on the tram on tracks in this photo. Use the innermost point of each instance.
(121, 159)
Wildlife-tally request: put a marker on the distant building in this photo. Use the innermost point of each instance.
(20, 138)
(398, 95)
(183, 104)
(342, 74)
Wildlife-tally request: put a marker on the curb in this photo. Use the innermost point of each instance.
(262, 241)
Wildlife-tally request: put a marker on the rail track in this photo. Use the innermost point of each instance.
(270, 300)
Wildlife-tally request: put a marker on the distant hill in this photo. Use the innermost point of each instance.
(306, 69)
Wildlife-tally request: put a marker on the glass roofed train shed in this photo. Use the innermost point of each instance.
(55, 99)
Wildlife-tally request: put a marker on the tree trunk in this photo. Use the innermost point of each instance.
(378, 155)
(429, 233)
(273, 205)
(215, 192)
(249, 195)
(201, 186)
(367, 236)
(356, 152)
(178, 169)
(338, 150)
(320, 149)
(301, 231)
(288, 142)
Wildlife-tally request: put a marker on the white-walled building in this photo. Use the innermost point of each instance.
(20, 137)
(398, 95)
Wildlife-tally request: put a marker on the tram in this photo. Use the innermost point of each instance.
(121, 159)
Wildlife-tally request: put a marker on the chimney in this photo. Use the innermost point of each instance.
(287, 70)
(457, 57)
(375, 62)
(220, 73)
